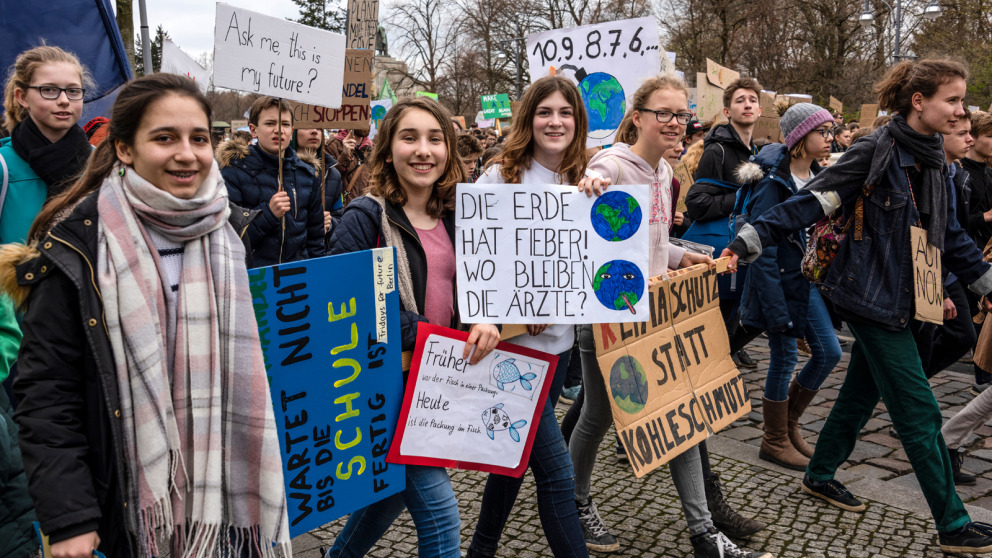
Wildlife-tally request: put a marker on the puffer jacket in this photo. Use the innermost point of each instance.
(775, 296)
(69, 404)
(361, 229)
(979, 201)
(252, 178)
(332, 182)
(723, 153)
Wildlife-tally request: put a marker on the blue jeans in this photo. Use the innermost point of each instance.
(552, 469)
(431, 501)
(783, 355)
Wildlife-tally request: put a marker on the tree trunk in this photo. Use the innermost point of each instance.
(125, 23)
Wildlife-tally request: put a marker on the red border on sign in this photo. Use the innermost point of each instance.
(394, 455)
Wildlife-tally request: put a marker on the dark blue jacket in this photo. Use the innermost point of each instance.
(775, 297)
(252, 178)
(870, 279)
(361, 229)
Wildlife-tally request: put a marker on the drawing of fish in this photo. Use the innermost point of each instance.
(495, 419)
(506, 372)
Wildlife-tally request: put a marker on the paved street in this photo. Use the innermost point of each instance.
(646, 516)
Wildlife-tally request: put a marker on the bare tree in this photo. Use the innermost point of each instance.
(125, 23)
(425, 33)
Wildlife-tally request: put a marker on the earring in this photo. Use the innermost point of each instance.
(919, 115)
(120, 172)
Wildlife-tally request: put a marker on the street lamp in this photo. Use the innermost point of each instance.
(502, 45)
(931, 12)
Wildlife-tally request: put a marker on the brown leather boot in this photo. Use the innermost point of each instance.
(799, 399)
(775, 444)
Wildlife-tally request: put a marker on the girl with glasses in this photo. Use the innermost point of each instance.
(777, 298)
(46, 150)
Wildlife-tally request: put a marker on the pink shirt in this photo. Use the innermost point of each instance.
(439, 303)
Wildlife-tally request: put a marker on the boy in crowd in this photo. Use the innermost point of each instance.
(469, 151)
(979, 223)
(727, 146)
(291, 224)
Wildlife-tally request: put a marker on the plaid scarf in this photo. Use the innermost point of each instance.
(201, 446)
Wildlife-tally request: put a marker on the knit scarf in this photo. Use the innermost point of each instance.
(931, 198)
(201, 446)
(57, 164)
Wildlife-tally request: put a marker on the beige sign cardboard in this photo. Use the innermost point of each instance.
(363, 20)
(927, 281)
(767, 128)
(868, 113)
(670, 379)
(355, 112)
(836, 104)
(709, 89)
(768, 104)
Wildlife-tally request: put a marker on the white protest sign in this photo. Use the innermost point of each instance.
(379, 110)
(608, 62)
(482, 416)
(539, 254)
(175, 61)
(272, 56)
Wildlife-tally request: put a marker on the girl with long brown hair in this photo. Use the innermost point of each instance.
(546, 146)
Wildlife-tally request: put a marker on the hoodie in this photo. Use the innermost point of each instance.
(623, 166)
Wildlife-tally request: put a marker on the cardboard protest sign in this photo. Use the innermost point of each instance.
(272, 56)
(484, 122)
(868, 113)
(538, 254)
(335, 379)
(175, 61)
(768, 128)
(481, 417)
(709, 89)
(363, 21)
(671, 379)
(836, 104)
(927, 281)
(608, 62)
(354, 112)
(378, 112)
(496, 106)
(238, 124)
(768, 104)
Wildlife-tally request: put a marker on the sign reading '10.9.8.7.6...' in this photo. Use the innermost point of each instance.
(607, 61)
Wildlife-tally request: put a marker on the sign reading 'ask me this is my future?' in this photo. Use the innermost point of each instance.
(335, 380)
(607, 61)
(271, 56)
(539, 254)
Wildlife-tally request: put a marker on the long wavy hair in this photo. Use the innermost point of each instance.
(383, 181)
(518, 150)
(125, 118)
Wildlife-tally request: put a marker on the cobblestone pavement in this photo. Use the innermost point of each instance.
(646, 517)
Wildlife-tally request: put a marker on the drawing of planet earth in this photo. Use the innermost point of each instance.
(629, 385)
(605, 103)
(616, 216)
(378, 113)
(618, 284)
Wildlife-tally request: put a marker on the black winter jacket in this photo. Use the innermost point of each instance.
(724, 152)
(979, 202)
(69, 404)
(361, 229)
(252, 178)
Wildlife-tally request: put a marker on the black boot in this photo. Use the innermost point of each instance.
(725, 518)
(957, 460)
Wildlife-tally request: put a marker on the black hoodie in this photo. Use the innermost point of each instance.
(724, 152)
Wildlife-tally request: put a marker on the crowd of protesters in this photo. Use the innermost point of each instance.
(126, 429)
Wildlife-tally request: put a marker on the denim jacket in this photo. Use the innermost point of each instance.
(870, 278)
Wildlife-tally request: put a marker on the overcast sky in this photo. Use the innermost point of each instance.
(190, 23)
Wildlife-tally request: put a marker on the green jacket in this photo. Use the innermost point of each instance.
(26, 193)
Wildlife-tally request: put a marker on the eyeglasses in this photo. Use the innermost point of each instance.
(664, 116)
(826, 133)
(50, 92)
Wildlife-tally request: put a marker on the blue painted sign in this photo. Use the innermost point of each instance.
(335, 380)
